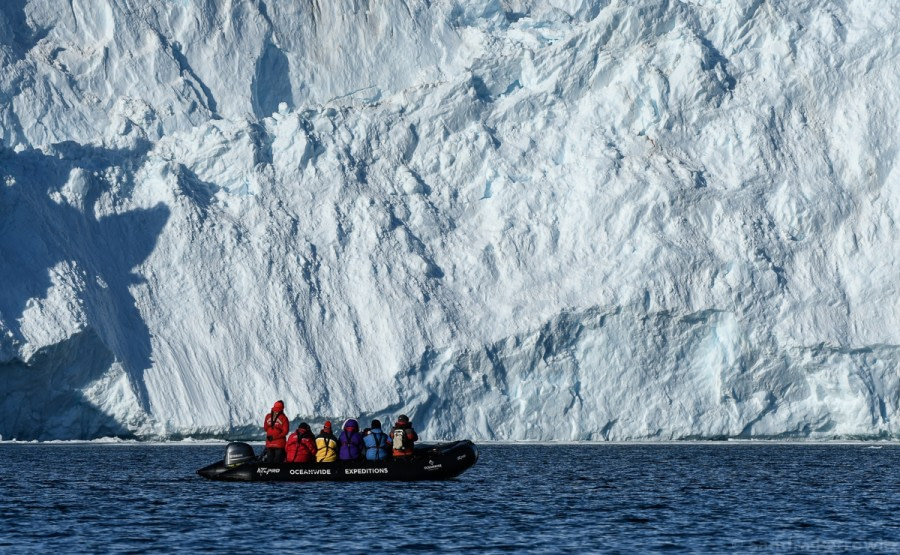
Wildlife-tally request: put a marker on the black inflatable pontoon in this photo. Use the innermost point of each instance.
(430, 462)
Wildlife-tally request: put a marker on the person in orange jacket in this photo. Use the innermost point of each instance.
(403, 437)
(277, 427)
(301, 446)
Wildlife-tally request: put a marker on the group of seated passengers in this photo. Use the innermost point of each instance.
(302, 446)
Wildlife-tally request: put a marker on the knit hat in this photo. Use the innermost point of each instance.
(327, 426)
(303, 426)
(376, 423)
(278, 406)
(403, 419)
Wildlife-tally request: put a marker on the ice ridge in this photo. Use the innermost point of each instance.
(510, 220)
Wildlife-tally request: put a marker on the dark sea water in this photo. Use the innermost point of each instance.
(518, 498)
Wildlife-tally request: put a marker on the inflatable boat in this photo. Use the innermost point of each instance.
(429, 462)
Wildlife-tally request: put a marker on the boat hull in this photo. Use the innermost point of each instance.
(432, 462)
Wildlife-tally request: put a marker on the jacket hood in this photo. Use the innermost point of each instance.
(351, 423)
(278, 407)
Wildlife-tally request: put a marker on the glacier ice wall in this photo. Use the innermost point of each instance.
(559, 219)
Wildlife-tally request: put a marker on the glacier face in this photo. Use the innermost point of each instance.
(527, 220)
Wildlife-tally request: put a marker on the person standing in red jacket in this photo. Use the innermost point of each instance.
(277, 427)
(301, 446)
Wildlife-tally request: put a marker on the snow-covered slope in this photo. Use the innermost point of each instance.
(556, 219)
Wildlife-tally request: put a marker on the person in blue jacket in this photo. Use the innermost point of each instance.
(378, 443)
(350, 443)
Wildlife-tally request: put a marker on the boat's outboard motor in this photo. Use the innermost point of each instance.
(238, 453)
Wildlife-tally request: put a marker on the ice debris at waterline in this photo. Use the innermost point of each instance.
(545, 220)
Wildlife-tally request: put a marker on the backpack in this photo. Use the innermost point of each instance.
(399, 437)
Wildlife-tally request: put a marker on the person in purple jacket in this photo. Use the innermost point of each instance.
(350, 444)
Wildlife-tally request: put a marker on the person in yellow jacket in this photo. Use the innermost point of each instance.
(326, 445)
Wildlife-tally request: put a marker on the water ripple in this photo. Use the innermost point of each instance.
(518, 498)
